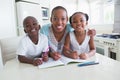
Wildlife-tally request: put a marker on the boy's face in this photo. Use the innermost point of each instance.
(31, 26)
(59, 20)
(79, 22)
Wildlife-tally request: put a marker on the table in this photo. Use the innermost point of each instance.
(107, 69)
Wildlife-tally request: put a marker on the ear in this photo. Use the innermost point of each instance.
(25, 31)
(39, 27)
(86, 22)
(67, 19)
(50, 19)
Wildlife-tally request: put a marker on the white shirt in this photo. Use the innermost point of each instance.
(29, 49)
(53, 43)
(83, 48)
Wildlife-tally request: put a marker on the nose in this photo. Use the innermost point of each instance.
(59, 21)
(79, 23)
(32, 26)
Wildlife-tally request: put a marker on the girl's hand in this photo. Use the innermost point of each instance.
(37, 61)
(83, 56)
(55, 55)
(91, 32)
(74, 55)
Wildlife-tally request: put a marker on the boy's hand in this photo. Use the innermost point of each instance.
(37, 61)
(45, 57)
(55, 55)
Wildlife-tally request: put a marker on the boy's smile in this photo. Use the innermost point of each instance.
(31, 26)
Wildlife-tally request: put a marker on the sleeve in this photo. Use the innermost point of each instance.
(22, 49)
(45, 28)
(69, 28)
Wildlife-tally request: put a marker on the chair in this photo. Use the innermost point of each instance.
(8, 48)
(1, 61)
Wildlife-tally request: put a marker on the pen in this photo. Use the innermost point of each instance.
(68, 50)
(45, 53)
(88, 63)
(51, 49)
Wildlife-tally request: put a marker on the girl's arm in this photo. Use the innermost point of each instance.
(66, 49)
(92, 47)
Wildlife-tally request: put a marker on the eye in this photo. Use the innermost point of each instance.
(27, 26)
(55, 19)
(63, 19)
(35, 24)
(81, 20)
(74, 21)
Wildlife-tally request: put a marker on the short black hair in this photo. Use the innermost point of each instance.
(58, 7)
(86, 16)
(28, 18)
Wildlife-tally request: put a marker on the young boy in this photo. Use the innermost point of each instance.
(34, 44)
(77, 43)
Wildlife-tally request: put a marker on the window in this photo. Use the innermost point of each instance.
(109, 13)
(101, 12)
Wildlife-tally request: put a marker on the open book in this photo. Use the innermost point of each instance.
(63, 61)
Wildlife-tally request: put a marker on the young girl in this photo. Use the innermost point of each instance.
(77, 43)
(34, 44)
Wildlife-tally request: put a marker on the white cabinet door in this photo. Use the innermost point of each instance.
(35, 1)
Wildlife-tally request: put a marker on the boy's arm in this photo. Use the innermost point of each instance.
(24, 59)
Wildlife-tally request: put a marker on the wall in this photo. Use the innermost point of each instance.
(70, 5)
(102, 29)
(46, 4)
(83, 6)
(117, 17)
(7, 19)
(97, 22)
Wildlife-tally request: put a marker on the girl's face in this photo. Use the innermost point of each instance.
(79, 22)
(31, 27)
(59, 20)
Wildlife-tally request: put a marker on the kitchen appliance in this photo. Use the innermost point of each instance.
(24, 9)
(112, 44)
